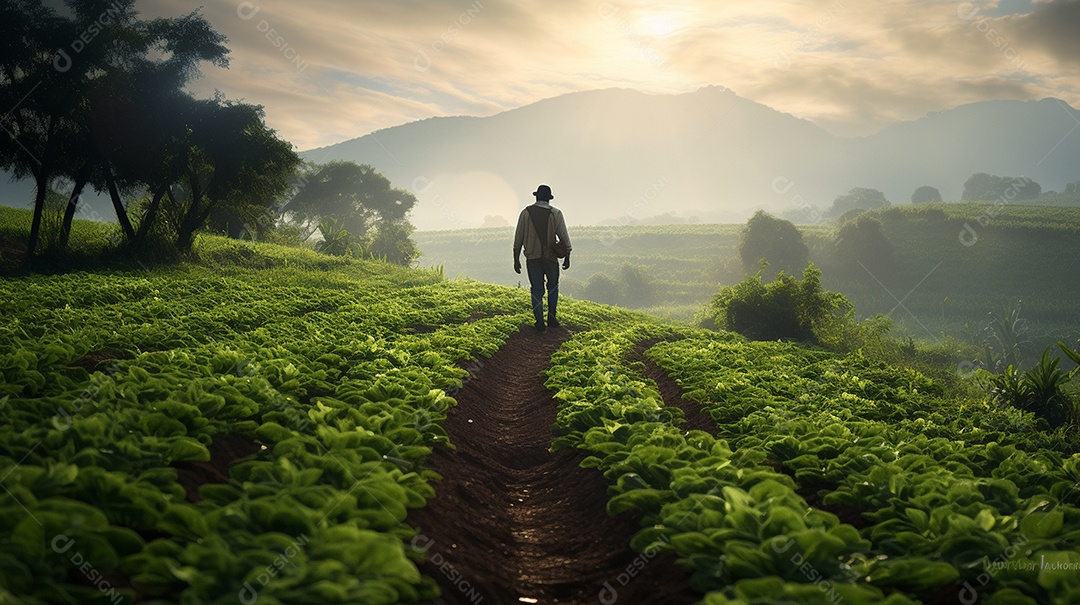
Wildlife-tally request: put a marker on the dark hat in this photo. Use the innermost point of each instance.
(543, 192)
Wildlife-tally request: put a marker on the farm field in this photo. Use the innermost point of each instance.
(940, 287)
(233, 371)
(264, 423)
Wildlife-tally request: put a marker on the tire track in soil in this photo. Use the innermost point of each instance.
(510, 520)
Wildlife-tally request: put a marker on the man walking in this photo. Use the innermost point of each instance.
(537, 228)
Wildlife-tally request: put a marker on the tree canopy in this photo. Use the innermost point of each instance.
(91, 112)
(774, 240)
(858, 197)
(988, 187)
(926, 193)
(363, 204)
(862, 246)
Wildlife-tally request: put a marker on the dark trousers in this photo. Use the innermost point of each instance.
(540, 268)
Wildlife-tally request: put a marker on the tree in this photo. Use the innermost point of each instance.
(926, 193)
(69, 122)
(602, 288)
(364, 202)
(988, 187)
(160, 160)
(1026, 189)
(393, 242)
(140, 115)
(234, 162)
(355, 193)
(39, 118)
(858, 197)
(980, 186)
(776, 241)
(639, 288)
(861, 243)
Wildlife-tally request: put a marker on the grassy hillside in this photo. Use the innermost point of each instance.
(255, 422)
(88, 238)
(941, 286)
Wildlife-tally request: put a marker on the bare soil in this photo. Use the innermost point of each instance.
(514, 523)
(672, 393)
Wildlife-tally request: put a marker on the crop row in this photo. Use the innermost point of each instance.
(202, 436)
(948, 490)
(828, 478)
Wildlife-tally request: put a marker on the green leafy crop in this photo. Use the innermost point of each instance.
(335, 376)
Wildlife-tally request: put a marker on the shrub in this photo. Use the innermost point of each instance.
(602, 289)
(633, 287)
(784, 309)
(337, 241)
(862, 245)
(1039, 390)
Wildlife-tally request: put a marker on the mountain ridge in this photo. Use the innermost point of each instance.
(620, 155)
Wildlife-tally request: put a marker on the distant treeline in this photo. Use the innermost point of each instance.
(978, 187)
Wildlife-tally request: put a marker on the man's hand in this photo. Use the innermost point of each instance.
(517, 265)
(566, 261)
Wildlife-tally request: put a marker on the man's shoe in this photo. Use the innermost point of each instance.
(554, 323)
(540, 327)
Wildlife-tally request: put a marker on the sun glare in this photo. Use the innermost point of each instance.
(657, 25)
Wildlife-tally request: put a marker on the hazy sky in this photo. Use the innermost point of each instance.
(330, 70)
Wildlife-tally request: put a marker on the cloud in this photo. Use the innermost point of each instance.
(328, 70)
(1054, 26)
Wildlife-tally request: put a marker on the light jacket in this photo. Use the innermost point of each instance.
(526, 235)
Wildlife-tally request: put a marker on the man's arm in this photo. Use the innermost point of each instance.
(519, 239)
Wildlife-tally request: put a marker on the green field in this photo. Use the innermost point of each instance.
(113, 381)
(941, 286)
(255, 422)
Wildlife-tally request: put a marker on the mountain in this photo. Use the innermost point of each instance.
(608, 155)
(1037, 139)
(615, 156)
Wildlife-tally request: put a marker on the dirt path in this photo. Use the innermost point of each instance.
(513, 523)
